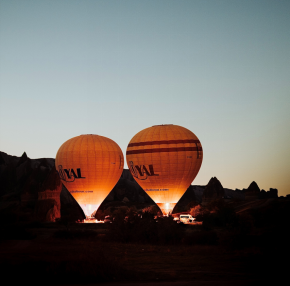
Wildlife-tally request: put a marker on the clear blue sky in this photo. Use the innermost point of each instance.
(113, 68)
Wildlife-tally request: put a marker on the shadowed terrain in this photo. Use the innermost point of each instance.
(243, 238)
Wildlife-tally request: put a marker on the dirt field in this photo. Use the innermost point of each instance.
(90, 260)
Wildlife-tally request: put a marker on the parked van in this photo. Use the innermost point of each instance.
(186, 218)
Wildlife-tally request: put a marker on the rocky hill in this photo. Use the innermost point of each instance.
(33, 189)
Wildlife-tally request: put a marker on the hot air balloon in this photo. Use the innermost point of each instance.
(164, 160)
(89, 167)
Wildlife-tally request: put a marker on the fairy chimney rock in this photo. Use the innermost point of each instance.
(253, 191)
(213, 190)
(22, 159)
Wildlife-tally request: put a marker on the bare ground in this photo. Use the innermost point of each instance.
(96, 261)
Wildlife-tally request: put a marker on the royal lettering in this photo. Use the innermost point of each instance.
(79, 174)
(141, 172)
(69, 175)
(67, 171)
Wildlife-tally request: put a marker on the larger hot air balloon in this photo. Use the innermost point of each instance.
(164, 160)
(89, 166)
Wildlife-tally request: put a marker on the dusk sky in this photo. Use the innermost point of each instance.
(112, 68)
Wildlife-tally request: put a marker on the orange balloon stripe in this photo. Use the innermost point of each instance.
(163, 142)
(159, 150)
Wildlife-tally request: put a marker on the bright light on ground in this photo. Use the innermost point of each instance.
(92, 220)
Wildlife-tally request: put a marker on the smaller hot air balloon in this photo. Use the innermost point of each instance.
(164, 160)
(89, 167)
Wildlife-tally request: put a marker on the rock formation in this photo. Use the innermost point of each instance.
(252, 192)
(50, 190)
(70, 209)
(193, 196)
(271, 194)
(129, 188)
(2, 161)
(34, 184)
(33, 179)
(23, 158)
(234, 195)
(213, 190)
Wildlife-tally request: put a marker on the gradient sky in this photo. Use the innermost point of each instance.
(113, 68)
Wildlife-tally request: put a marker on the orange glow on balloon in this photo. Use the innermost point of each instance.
(89, 166)
(164, 160)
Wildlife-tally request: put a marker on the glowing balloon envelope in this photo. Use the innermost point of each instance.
(164, 160)
(89, 166)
